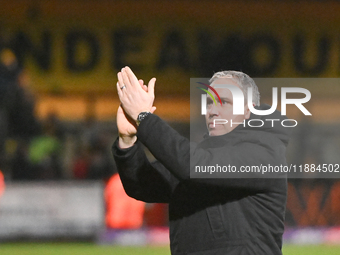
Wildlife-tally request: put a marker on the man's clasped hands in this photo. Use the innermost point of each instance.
(135, 97)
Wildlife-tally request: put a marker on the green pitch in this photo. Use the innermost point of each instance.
(91, 249)
(77, 249)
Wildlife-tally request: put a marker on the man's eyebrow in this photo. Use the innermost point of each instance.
(227, 98)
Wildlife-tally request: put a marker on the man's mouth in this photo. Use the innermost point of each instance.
(213, 124)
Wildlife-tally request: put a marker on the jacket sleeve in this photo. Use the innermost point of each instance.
(142, 180)
(177, 154)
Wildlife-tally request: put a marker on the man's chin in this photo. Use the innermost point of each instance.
(217, 132)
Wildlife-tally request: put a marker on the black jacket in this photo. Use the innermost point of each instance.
(211, 216)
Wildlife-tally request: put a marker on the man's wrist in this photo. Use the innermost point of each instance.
(125, 142)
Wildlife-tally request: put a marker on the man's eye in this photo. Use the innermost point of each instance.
(225, 102)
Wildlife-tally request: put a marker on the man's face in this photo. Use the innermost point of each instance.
(224, 111)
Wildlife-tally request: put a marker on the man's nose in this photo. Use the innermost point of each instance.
(213, 110)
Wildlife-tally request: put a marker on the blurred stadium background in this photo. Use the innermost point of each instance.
(58, 65)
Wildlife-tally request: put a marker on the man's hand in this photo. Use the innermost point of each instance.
(134, 98)
(127, 128)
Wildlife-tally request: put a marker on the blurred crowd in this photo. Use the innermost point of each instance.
(48, 149)
(33, 149)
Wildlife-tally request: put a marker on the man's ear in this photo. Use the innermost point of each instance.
(246, 112)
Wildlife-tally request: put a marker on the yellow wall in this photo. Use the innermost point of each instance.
(172, 40)
(161, 38)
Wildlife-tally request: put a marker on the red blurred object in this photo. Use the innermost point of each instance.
(122, 211)
(80, 168)
(2, 183)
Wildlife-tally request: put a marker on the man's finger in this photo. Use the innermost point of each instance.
(153, 109)
(126, 80)
(118, 87)
(119, 91)
(144, 87)
(132, 77)
(151, 86)
(120, 81)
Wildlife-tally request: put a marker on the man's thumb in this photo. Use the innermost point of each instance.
(151, 86)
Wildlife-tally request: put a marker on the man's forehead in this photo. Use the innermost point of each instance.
(224, 81)
(224, 92)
